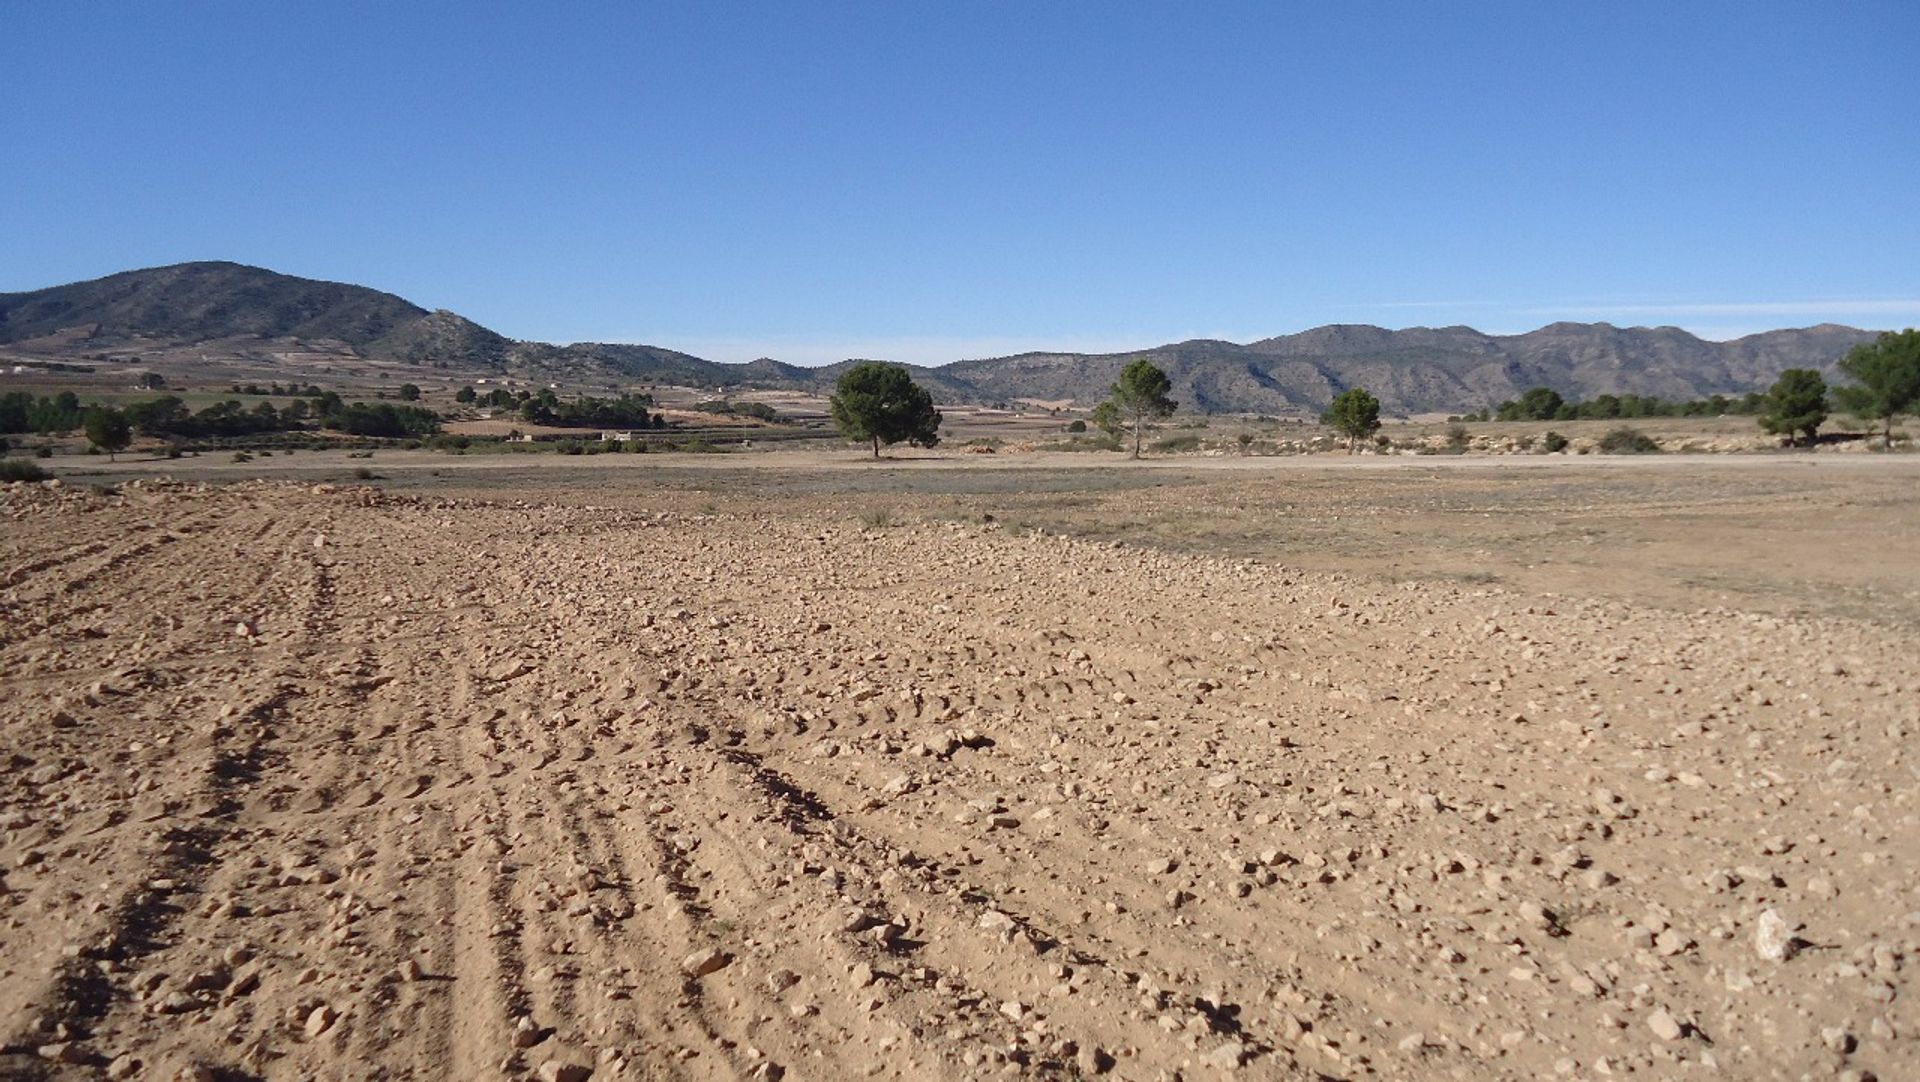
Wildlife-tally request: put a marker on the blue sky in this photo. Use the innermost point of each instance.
(927, 182)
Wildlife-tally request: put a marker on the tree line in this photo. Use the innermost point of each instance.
(1885, 383)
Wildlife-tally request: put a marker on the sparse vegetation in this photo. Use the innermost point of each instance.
(1796, 405)
(759, 411)
(881, 403)
(1139, 395)
(21, 469)
(108, 430)
(1887, 377)
(1628, 441)
(1354, 414)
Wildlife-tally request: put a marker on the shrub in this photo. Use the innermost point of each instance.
(1554, 442)
(1084, 443)
(242, 456)
(1177, 443)
(1458, 439)
(43, 452)
(361, 473)
(20, 469)
(571, 447)
(1077, 426)
(876, 518)
(1628, 441)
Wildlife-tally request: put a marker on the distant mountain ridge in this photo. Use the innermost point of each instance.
(1415, 370)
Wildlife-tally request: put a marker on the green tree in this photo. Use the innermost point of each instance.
(410, 392)
(881, 403)
(109, 430)
(1141, 393)
(1540, 404)
(1888, 373)
(464, 395)
(1354, 414)
(1106, 418)
(1797, 403)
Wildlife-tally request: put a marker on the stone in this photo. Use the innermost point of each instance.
(704, 961)
(1227, 1057)
(555, 1070)
(320, 1020)
(1092, 1059)
(66, 1052)
(527, 1033)
(1665, 1026)
(1773, 937)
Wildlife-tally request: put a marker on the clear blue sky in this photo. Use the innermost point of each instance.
(930, 181)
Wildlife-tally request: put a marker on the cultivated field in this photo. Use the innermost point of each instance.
(793, 765)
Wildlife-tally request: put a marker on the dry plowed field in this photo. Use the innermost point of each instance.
(309, 783)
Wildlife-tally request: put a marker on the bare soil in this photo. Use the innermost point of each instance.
(791, 766)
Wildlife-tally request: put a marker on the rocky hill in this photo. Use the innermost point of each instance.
(1419, 369)
(1424, 369)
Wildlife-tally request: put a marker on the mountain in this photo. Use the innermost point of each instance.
(1423, 369)
(1415, 370)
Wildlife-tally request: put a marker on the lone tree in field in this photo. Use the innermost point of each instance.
(1141, 394)
(881, 403)
(1797, 403)
(108, 429)
(1888, 372)
(1355, 414)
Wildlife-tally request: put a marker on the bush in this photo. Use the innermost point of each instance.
(19, 469)
(1077, 426)
(1628, 441)
(571, 447)
(242, 456)
(1458, 439)
(1176, 443)
(1554, 442)
(1084, 443)
(43, 452)
(361, 473)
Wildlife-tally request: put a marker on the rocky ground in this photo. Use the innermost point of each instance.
(306, 782)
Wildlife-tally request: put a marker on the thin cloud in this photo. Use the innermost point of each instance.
(1894, 306)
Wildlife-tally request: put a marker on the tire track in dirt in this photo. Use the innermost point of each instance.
(950, 802)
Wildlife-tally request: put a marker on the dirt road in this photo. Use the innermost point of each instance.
(314, 783)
